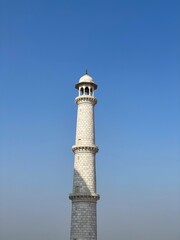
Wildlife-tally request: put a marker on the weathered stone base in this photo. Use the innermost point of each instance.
(83, 221)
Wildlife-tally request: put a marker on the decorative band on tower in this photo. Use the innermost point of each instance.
(84, 196)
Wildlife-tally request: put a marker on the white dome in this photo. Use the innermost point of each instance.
(86, 78)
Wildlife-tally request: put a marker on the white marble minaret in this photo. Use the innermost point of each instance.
(84, 196)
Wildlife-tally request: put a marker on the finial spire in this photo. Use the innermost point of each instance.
(86, 71)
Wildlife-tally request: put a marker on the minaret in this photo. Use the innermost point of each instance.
(84, 196)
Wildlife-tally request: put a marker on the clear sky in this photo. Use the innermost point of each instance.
(132, 50)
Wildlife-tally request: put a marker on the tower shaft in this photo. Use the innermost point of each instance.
(84, 196)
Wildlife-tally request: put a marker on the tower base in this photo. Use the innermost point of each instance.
(83, 221)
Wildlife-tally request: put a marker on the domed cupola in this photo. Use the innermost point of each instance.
(86, 85)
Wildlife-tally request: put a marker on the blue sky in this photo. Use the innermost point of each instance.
(131, 49)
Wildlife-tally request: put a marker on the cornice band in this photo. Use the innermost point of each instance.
(93, 149)
(82, 99)
(81, 197)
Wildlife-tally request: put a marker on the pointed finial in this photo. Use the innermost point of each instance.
(86, 71)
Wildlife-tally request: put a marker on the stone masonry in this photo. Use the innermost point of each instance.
(84, 196)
